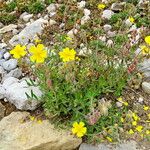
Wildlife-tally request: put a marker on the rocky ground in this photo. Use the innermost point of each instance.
(18, 128)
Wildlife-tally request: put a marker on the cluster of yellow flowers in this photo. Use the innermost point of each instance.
(38, 53)
(123, 102)
(136, 127)
(146, 48)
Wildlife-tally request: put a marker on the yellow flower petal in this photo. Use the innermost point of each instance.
(84, 130)
(75, 124)
(82, 124)
(122, 120)
(146, 108)
(131, 131)
(139, 128)
(74, 131)
(101, 6)
(134, 123)
(147, 131)
(147, 39)
(80, 134)
(109, 139)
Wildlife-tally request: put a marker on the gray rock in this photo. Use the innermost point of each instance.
(7, 55)
(107, 27)
(52, 22)
(2, 111)
(2, 92)
(23, 14)
(141, 100)
(2, 73)
(107, 14)
(143, 4)
(32, 135)
(3, 46)
(128, 23)
(85, 146)
(8, 28)
(9, 81)
(1, 56)
(1, 25)
(102, 38)
(111, 34)
(27, 17)
(2, 61)
(9, 64)
(46, 17)
(146, 87)
(51, 8)
(15, 31)
(109, 43)
(117, 6)
(129, 145)
(119, 104)
(17, 91)
(81, 4)
(144, 67)
(16, 73)
(29, 32)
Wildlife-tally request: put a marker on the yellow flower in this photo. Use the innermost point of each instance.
(38, 53)
(147, 131)
(39, 121)
(145, 49)
(18, 51)
(147, 39)
(146, 108)
(125, 103)
(135, 117)
(79, 129)
(139, 128)
(109, 139)
(134, 123)
(131, 131)
(77, 58)
(148, 116)
(101, 6)
(122, 119)
(32, 118)
(120, 99)
(67, 54)
(131, 19)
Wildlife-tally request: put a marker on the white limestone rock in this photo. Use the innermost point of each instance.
(29, 32)
(17, 91)
(8, 28)
(9, 64)
(107, 14)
